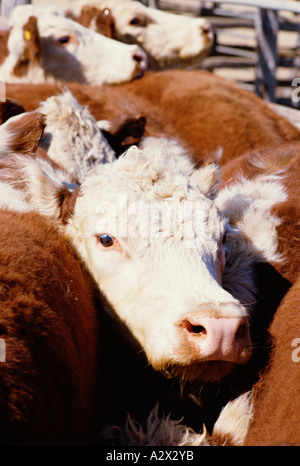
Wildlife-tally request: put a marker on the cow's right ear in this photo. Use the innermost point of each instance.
(43, 192)
(31, 51)
(208, 179)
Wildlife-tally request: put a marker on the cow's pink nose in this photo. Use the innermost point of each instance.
(218, 339)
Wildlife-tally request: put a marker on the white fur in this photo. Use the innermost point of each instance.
(74, 140)
(168, 39)
(89, 57)
(157, 431)
(230, 428)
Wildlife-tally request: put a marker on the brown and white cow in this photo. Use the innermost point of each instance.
(43, 45)
(202, 111)
(169, 40)
(154, 239)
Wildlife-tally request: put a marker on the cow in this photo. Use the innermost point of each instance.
(169, 40)
(43, 45)
(202, 111)
(199, 327)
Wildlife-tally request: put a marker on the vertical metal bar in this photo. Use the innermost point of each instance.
(266, 25)
(6, 6)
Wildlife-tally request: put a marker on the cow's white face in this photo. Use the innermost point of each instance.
(155, 245)
(169, 40)
(71, 52)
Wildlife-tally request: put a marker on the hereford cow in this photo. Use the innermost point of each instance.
(196, 332)
(169, 40)
(202, 111)
(43, 45)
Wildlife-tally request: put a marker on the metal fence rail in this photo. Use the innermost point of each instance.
(265, 18)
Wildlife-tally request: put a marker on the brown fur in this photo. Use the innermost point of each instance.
(277, 394)
(8, 109)
(202, 110)
(48, 322)
(31, 52)
(26, 132)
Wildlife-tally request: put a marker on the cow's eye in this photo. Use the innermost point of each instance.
(64, 39)
(224, 239)
(137, 21)
(106, 240)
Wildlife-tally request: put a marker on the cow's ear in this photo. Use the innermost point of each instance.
(31, 51)
(67, 200)
(102, 19)
(208, 179)
(43, 192)
(22, 133)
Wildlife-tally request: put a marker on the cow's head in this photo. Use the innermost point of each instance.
(169, 40)
(44, 45)
(155, 243)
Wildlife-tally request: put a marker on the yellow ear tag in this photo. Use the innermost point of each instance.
(27, 35)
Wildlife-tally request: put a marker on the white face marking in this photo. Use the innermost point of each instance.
(164, 252)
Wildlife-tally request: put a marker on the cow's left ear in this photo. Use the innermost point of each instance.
(208, 179)
(46, 194)
(208, 176)
(31, 51)
(102, 19)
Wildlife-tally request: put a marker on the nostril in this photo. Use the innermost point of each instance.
(206, 28)
(137, 57)
(195, 329)
(242, 332)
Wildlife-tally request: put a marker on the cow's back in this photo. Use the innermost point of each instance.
(277, 394)
(48, 324)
